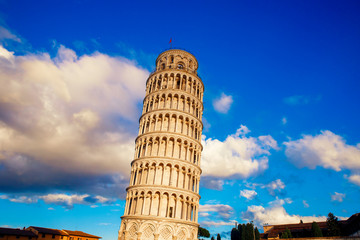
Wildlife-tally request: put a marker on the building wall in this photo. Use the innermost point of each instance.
(11, 237)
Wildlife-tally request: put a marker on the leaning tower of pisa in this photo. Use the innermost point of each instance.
(162, 199)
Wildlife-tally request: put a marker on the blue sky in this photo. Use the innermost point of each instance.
(281, 107)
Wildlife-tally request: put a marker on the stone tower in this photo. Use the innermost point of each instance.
(162, 201)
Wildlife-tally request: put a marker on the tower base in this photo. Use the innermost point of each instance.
(155, 228)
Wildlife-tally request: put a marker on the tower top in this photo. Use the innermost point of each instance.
(176, 59)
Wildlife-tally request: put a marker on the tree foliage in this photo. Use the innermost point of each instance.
(249, 228)
(212, 238)
(332, 225)
(235, 234)
(243, 232)
(257, 234)
(315, 230)
(203, 232)
(286, 234)
(218, 237)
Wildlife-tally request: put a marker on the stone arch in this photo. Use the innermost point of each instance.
(147, 230)
(132, 230)
(165, 232)
(182, 234)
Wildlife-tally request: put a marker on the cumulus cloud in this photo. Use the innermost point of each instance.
(223, 104)
(20, 199)
(224, 211)
(248, 194)
(212, 183)
(275, 213)
(67, 122)
(274, 186)
(217, 224)
(326, 150)
(338, 197)
(66, 200)
(236, 156)
(355, 178)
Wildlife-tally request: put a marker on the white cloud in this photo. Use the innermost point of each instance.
(21, 199)
(306, 205)
(248, 194)
(204, 214)
(223, 104)
(6, 55)
(276, 214)
(274, 186)
(69, 114)
(224, 211)
(338, 197)
(284, 120)
(6, 34)
(327, 150)
(211, 183)
(66, 200)
(51, 209)
(238, 155)
(279, 201)
(216, 224)
(355, 178)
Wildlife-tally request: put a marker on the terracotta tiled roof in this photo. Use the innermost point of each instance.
(80, 234)
(16, 232)
(48, 230)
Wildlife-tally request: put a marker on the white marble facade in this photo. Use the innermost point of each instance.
(162, 201)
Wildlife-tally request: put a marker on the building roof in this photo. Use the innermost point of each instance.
(48, 230)
(80, 234)
(348, 227)
(16, 232)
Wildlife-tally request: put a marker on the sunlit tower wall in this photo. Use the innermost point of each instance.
(162, 199)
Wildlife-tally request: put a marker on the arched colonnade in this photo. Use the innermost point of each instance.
(168, 146)
(173, 101)
(170, 122)
(162, 204)
(167, 174)
(177, 80)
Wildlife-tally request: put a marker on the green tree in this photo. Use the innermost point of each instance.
(315, 230)
(243, 231)
(332, 225)
(240, 230)
(212, 238)
(257, 234)
(249, 231)
(284, 235)
(288, 233)
(203, 232)
(235, 234)
(218, 237)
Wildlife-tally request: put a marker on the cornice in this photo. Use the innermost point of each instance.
(169, 160)
(160, 219)
(170, 111)
(169, 134)
(155, 188)
(174, 91)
